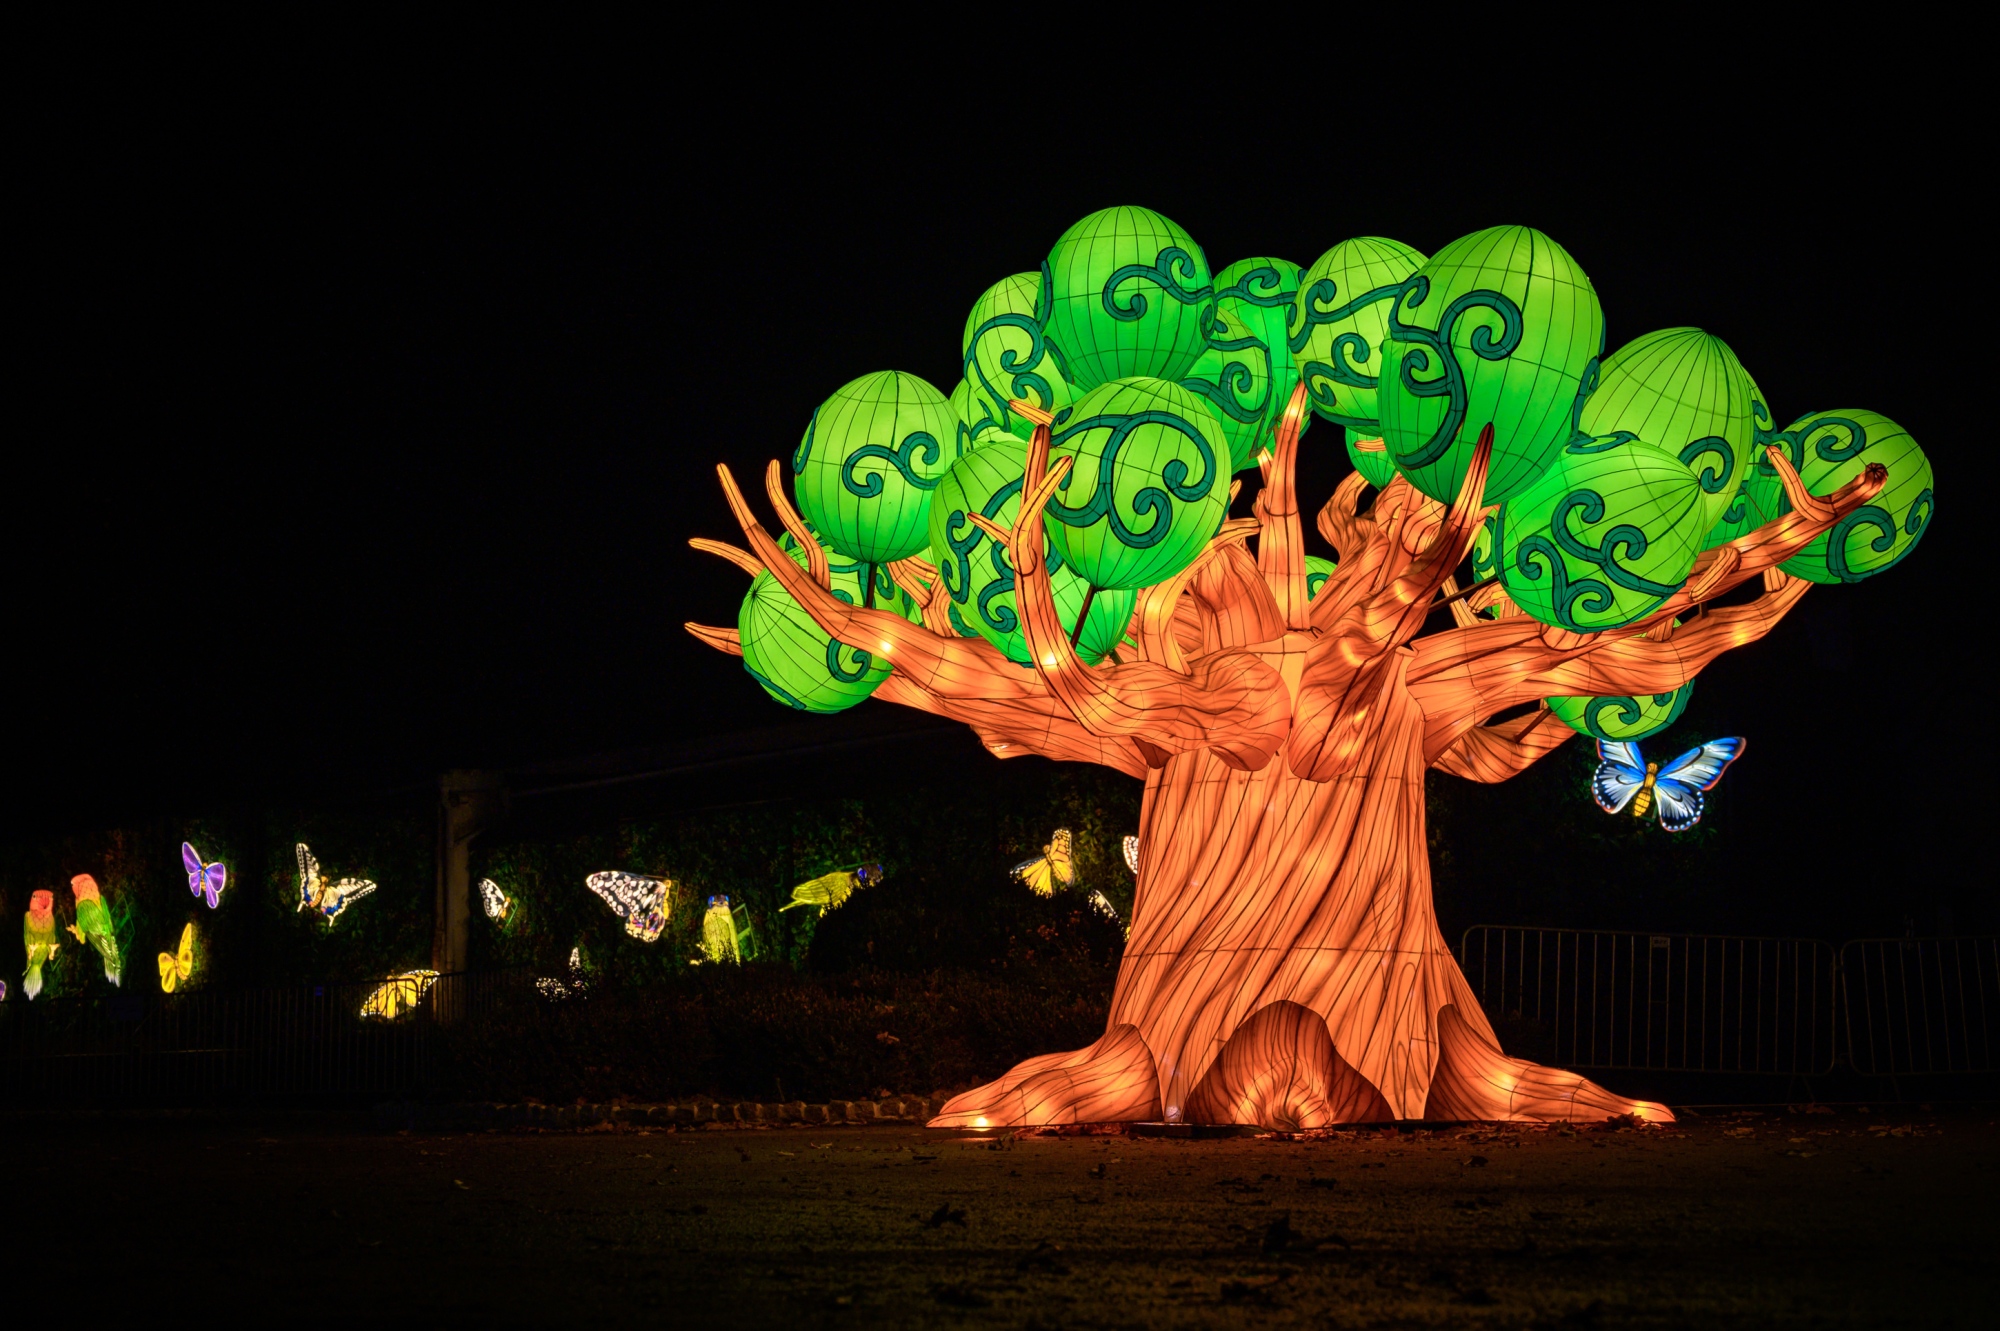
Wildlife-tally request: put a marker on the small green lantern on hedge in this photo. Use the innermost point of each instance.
(1831, 448)
(1006, 355)
(1498, 328)
(1682, 390)
(1339, 321)
(795, 660)
(1129, 295)
(979, 578)
(1149, 485)
(1608, 533)
(871, 456)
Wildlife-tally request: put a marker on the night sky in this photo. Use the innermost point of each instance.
(367, 433)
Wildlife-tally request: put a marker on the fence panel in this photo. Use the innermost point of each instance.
(311, 1040)
(1666, 1002)
(1922, 1005)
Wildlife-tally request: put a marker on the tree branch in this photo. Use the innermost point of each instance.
(1281, 554)
(1492, 753)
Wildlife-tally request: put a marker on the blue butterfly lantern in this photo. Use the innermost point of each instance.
(1625, 777)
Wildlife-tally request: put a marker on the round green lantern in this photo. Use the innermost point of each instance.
(1609, 532)
(1234, 377)
(1375, 465)
(1129, 295)
(792, 657)
(974, 423)
(1831, 448)
(1623, 718)
(1318, 570)
(1148, 487)
(1686, 392)
(1498, 328)
(1485, 565)
(1339, 321)
(978, 575)
(1262, 292)
(1006, 355)
(871, 456)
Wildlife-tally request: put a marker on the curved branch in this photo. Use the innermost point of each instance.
(723, 640)
(1340, 521)
(1464, 674)
(743, 559)
(816, 561)
(1041, 726)
(1281, 553)
(1494, 753)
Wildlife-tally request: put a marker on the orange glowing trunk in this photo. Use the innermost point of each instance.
(1284, 966)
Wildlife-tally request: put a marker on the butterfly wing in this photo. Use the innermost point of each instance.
(1060, 863)
(214, 877)
(169, 975)
(337, 897)
(1621, 773)
(1132, 853)
(309, 887)
(1701, 768)
(1037, 874)
(1679, 805)
(191, 861)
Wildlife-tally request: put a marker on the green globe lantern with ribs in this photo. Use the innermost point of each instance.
(1129, 295)
(1338, 323)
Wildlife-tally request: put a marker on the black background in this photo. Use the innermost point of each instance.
(367, 420)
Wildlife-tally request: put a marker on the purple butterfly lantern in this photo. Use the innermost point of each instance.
(204, 880)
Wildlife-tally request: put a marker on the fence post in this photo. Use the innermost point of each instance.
(468, 803)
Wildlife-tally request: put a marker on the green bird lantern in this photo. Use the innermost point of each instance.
(1007, 356)
(1338, 324)
(795, 660)
(1682, 390)
(93, 926)
(1130, 295)
(871, 456)
(977, 575)
(39, 938)
(1499, 328)
(1148, 486)
(1608, 533)
(1831, 448)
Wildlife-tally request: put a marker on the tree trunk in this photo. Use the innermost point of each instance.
(1285, 966)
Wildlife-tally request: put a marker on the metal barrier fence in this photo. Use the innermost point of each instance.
(1663, 1002)
(304, 1041)
(1922, 1005)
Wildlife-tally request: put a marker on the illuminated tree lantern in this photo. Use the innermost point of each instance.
(1682, 390)
(871, 456)
(975, 570)
(1604, 537)
(1339, 322)
(1007, 357)
(1147, 488)
(795, 661)
(1624, 717)
(1829, 449)
(1498, 329)
(1129, 296)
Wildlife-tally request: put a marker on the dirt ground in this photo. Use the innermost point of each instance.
(1776, 1219)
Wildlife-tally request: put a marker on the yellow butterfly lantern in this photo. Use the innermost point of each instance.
(176, 967)
(1051, 868)
(399, 994)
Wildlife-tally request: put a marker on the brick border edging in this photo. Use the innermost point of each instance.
(906, 1111)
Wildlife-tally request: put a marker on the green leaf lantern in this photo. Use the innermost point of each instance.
(1686, 392)
(1499, 327)
(1375, 465)
(1610, 530)
(1623, 718)
(1338, 324)
(1234, 377)
(793, 658)
(1149, 486)
(976, 426)
(1262, 292)
(1831, 448)
(978, 575)
(1130, 295)
(1007, 356)
(871, 456)
(1318, 570)
(1759, 496)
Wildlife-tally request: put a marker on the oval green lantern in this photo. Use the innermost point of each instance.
(1006, 355)
(1339, 321)
(1261, 292)
(1608, 533)
(1498, 328)
(1831, 448)
(1148, 487)
(1759, 495)
(1234, 377)
(871, 456)
(978, 576)
(1129, 295)
(1374, 464)
(1318, 570)
(792, 657)
(1485, 565)
(1682, 390)
(975, 423)
(1623, 718)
